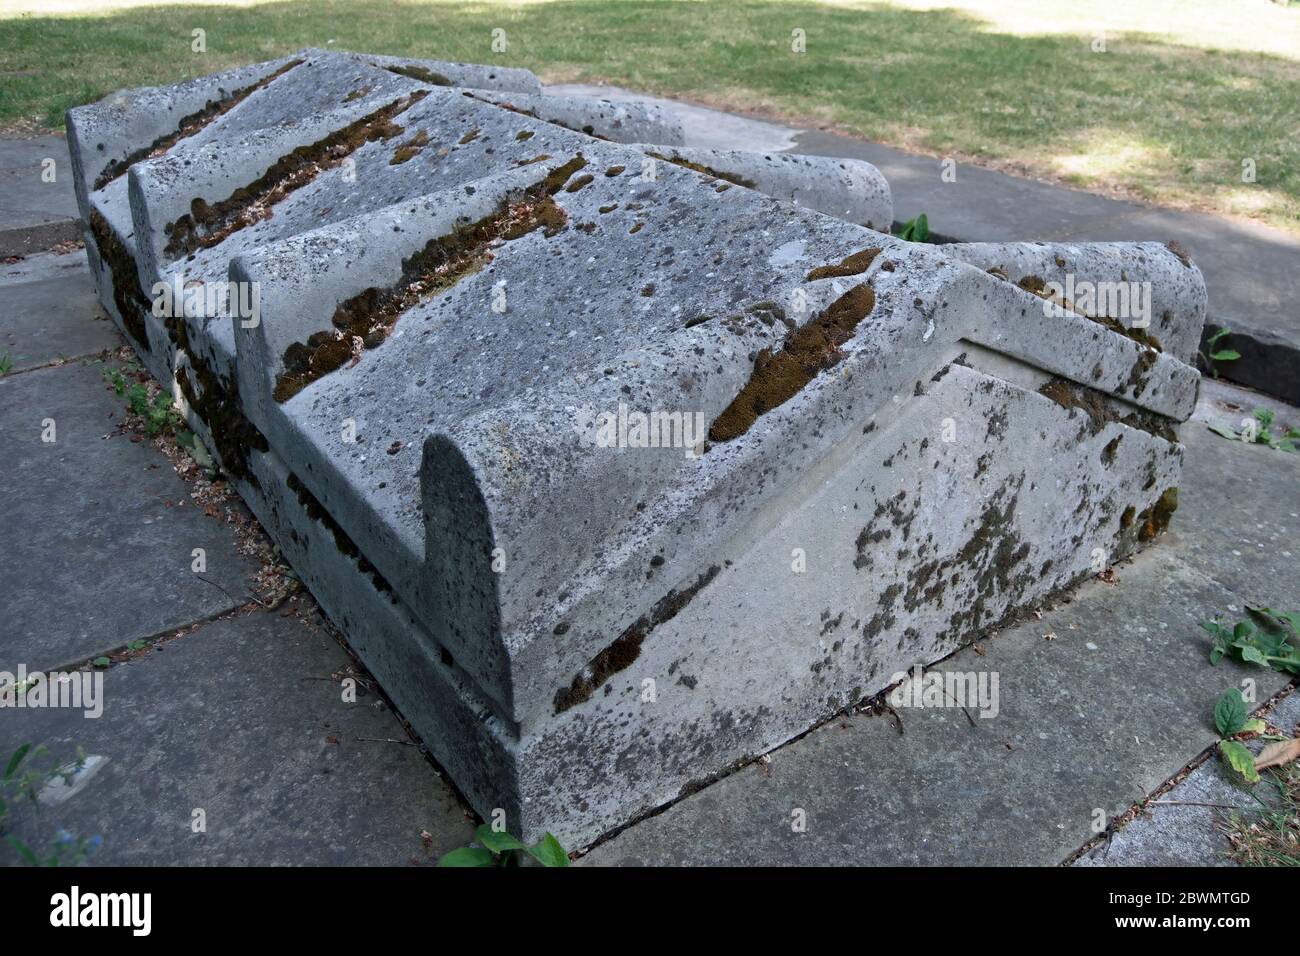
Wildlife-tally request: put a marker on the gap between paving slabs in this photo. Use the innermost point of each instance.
(246, 723)
(1182, 823)
(107, 507)
(168, 733)
(98, 548)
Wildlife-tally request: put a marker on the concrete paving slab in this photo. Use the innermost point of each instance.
(1238, 517)
(242, 720)
(1185, 830)
(1091, 720)
(46, 317)
(36, 213)
(981, 205)
(91, 553)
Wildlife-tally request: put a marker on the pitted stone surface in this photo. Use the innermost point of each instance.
(871, 443)
(443, 73)
(1147, 287)
(604, 119)
(844, 188)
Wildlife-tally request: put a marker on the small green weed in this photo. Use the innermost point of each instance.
(1208, 358)
(497, 848)
(1258, 429)
(915, 230)
(1269, 638)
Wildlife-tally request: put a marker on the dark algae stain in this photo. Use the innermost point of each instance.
(131, 303)
(1093, 404)
(316, 511)
(1089, 401)
(627, 647)
(1035, 285)
(207, 224)
(1108, 453)
(779, 375)
(365, 320)
(188, 126)
(209, 398)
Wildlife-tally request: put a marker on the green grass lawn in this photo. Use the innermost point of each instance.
(1184, 92)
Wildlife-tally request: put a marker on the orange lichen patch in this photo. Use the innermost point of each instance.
(189, 126)
(410, 148)
(365, 320)
(359, 93)
(853, 265)
(1156, 518)
(808, 350)
(208, 224)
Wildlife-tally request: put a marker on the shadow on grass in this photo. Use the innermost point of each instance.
(940, 81)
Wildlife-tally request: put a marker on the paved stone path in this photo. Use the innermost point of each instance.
(238, 711)
(231, 710)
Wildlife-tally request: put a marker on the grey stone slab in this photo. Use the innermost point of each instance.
(606, 119)
(34, 213)
(1249, 268)
(1239, 516)
(91, 555)
(476, 441)
(1142, 285)
(1186, 830)
(847, 189)
(1250, 272)
(1113, 705)
(59, 317)
(243, 720)
(701, 126)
